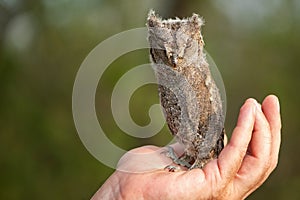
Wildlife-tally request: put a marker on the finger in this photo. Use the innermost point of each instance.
(259, 151)
(225, 140)
(143, 159)
(232, 155)
(260, 145)
(271, 109)
(257, 164)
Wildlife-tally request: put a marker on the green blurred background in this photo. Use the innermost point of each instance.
(255, 44)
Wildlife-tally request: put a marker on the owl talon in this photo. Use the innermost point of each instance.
(199, 164)
(172, 168)
(179, 161)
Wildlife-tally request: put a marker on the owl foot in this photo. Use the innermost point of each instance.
(199, 163)
(172, 168)
(183, 160)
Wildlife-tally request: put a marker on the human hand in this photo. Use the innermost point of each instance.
(243, 165)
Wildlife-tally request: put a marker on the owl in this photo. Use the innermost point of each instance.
(189, 96)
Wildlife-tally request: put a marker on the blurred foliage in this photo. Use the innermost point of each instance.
(255, 44)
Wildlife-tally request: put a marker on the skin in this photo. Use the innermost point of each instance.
(243, 165)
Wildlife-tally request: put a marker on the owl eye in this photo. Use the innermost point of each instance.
(167, 57)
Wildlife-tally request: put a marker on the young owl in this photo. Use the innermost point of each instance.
(189, 96)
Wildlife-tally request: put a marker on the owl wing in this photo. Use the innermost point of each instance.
(171, 108)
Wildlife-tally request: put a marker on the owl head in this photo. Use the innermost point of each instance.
(175, 42)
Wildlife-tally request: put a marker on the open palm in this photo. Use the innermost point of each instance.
(243, 165)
